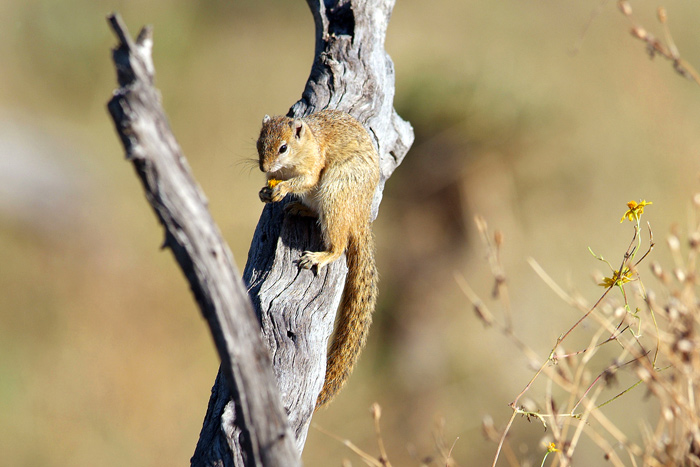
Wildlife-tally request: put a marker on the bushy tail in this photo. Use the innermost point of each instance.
(354, 315)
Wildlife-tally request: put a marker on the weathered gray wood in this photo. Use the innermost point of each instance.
(261, 434)
(351, 72)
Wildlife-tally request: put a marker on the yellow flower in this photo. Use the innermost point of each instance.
(635, 210)
(273, 182)
(617, 279)
(552, 448)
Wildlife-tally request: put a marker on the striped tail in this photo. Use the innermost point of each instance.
(354, 315)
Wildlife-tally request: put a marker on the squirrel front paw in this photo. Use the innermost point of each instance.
(265, 194)
(271, 194)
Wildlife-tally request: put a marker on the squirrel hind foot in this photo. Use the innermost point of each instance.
(317, 258)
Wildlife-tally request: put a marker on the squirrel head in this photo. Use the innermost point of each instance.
(281, 142)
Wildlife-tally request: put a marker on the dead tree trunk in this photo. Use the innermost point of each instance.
(296, 309)
(196, 243)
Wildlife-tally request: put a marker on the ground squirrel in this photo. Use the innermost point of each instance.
(327, 160)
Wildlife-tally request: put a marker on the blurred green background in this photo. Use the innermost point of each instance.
(519, 116)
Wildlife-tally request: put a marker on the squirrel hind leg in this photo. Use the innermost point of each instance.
(297, 208)
(318, 258)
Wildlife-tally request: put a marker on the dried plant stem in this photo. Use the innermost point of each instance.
(574, 383)
(655, 47)
(367, 458)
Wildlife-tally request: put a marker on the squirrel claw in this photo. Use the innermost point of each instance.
(310, 260)
(316, 258)
(307, 261)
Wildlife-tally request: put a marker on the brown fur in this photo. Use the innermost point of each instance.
(329, 162)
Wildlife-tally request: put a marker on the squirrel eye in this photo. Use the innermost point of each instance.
(283, 149)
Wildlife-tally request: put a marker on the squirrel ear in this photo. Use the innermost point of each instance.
(266, 119)
(298, 128)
